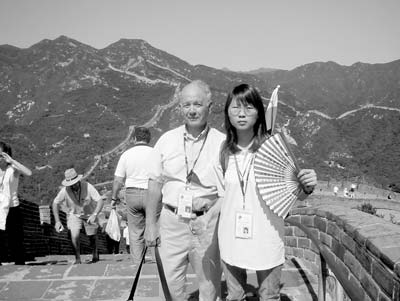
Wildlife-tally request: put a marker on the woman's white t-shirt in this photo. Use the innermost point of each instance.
(265, 250)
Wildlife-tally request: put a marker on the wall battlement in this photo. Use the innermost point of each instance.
(365, 248)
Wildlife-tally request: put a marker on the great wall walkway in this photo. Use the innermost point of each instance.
(56, 278)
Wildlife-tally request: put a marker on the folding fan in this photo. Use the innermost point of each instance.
(275, 171)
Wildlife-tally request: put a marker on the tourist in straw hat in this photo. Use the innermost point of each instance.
(84, 204)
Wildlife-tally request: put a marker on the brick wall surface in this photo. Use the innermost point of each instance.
(41, 240)
(365, 248)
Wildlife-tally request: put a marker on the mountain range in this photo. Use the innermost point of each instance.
(64, 103)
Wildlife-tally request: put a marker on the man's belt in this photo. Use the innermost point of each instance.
(134, 188)
(175, 210)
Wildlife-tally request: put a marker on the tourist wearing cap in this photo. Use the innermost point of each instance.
(84, 204)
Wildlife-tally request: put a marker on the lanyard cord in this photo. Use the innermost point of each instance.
(189, 174)
(244, 184)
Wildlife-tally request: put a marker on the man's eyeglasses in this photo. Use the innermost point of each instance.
(247, 110)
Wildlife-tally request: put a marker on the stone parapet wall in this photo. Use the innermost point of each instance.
(42, 239)
(365, 249)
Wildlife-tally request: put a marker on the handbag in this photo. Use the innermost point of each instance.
(112, 228)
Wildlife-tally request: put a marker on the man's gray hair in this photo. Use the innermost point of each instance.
(202, 86)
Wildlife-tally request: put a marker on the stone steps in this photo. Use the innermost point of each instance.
(55, 278)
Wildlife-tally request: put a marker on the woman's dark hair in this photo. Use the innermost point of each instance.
(245, 94)
(6, 148)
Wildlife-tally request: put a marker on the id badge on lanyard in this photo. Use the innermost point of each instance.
(243, 224)
(185, 204)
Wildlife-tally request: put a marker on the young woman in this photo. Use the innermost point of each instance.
(250, 234)
(10, 213)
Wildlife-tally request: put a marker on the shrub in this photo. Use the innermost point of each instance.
(367, 208)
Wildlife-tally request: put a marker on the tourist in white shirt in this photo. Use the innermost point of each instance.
(260, 246)
(11, 220)
(132, 171)
(182, 176)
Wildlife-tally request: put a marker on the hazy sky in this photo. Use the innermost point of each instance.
(239, 35)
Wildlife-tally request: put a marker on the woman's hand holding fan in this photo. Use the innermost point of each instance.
(278, 177)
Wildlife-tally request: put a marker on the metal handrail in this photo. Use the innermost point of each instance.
(348, 287)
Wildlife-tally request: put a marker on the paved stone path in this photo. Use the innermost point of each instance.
(56, 278)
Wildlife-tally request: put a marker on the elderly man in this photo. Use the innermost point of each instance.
(84, 203)
(182, 176)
